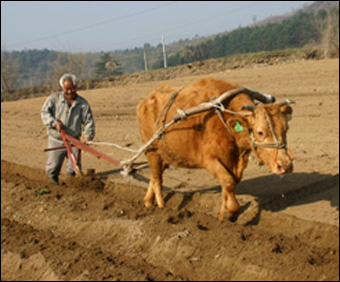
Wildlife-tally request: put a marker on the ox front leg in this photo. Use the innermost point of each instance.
(155, 185)
(230, 205)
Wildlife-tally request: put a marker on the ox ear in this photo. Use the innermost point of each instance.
(286, 109)
(287, 112)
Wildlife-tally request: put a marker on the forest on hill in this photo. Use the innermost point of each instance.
(313, 26)
(295, 32)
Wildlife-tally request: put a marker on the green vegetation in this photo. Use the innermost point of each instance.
(295, 32)
(42, 191)
(315, 28)
(206, 67)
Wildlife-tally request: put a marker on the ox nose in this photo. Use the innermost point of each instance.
(284, 168)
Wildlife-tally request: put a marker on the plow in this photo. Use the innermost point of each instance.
(128, 166)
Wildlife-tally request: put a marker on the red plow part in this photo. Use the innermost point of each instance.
(70, 141)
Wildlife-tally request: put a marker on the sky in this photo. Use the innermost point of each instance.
(94, 26)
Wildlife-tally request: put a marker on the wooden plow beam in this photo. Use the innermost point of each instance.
(70, 142)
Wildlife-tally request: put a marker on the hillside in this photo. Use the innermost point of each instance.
(312, 8)
(297, 31)
(308, 26)
(252, 60)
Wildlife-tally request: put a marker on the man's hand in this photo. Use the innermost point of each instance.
(87, 139)
(59, 126)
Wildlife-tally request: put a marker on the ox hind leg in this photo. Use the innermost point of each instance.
(230, 205)
(157, 166)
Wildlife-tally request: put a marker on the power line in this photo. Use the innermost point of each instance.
(94, 25)
(155, 55)
(156, 34)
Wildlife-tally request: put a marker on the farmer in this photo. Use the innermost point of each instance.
(69, 111)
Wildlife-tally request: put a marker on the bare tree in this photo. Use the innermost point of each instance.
(9, 71)
(56, 70)
(331, 35)
(74, 64)
(110, 66)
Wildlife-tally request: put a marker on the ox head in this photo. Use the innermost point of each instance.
(268, 126)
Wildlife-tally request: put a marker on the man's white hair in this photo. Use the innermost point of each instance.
(68, 76)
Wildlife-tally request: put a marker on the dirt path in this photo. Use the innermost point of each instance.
(97, 228)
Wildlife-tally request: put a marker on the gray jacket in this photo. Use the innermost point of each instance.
(57, 107)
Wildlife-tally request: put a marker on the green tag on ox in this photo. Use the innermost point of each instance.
(238, 127)
(288, 117)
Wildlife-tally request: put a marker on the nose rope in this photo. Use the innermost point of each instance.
(274, 157)
(276, 145)
(270, 127)
(290, 154)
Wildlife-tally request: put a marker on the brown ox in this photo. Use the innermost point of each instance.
(220, 144)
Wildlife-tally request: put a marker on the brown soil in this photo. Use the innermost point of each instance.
(96, 228)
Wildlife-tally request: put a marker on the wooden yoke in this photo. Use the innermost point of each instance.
(227, 96)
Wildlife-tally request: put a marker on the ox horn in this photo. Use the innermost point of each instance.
(285, 102)
(264, 98)
(248, 107)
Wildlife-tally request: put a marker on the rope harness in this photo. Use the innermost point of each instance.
(276, 145)
(219, 109)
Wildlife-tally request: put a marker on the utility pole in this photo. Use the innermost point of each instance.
(164, 53)
(145, 59)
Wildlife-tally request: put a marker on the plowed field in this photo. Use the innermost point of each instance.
(96, 227)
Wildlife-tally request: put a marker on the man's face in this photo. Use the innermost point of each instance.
(69, 89)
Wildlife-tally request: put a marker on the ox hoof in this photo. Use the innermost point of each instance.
(148, 204)
(160, 202)
(233, 218)
(161, 206)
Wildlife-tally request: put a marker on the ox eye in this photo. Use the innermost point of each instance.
(260, 133)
